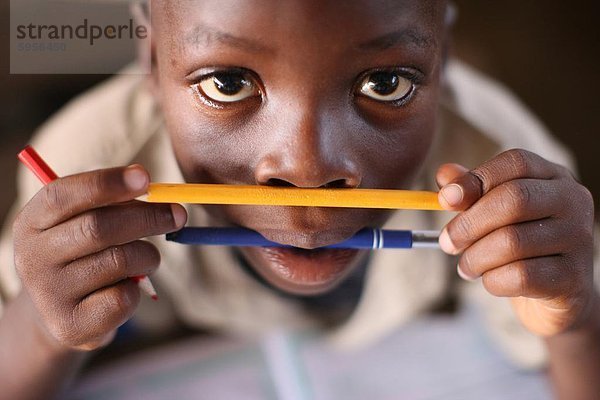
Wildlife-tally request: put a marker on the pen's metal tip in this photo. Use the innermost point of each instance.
(426, 239)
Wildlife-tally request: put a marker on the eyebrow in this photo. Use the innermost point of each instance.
(398, 38)
(203, 35)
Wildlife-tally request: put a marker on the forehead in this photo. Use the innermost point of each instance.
(193, 22)
(326, 8)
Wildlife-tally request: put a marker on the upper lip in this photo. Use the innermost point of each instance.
(307, 239)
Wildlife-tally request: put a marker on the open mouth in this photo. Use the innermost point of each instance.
(303, 271)
(304, 266)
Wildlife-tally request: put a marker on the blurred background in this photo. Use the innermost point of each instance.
(547, 52)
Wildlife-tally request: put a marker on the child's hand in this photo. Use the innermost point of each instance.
(76, 243)
(526, 230)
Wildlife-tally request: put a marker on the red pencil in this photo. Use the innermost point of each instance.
(38, 166)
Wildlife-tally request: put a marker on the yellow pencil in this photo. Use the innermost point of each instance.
(288, 196)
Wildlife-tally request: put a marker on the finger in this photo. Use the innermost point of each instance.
(98, 343)
(510, 203)
(67, 197)
(513, 243)
(465, 190)
(110, 266)
(446, 173)
(534, 278)
(100, 313)
(102, 228)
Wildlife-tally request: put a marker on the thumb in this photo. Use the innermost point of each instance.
(459, 188)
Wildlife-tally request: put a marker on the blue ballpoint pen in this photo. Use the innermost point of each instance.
(367, 238)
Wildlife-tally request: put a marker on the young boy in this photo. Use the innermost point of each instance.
(306, 94)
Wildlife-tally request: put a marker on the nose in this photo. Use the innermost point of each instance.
(308, 155)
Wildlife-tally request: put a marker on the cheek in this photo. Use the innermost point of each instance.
(399, 141)
(209, 147)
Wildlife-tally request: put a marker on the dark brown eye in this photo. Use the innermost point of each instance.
(228, 87)
(386, 86)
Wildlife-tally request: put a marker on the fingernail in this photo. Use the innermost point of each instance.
(179, 215)
(462, 274)
(135, 178)
(446, 243)
(453, 194)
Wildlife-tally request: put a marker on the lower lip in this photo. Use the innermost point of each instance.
(303, 270)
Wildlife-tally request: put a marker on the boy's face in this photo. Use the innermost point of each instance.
(300, 93)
